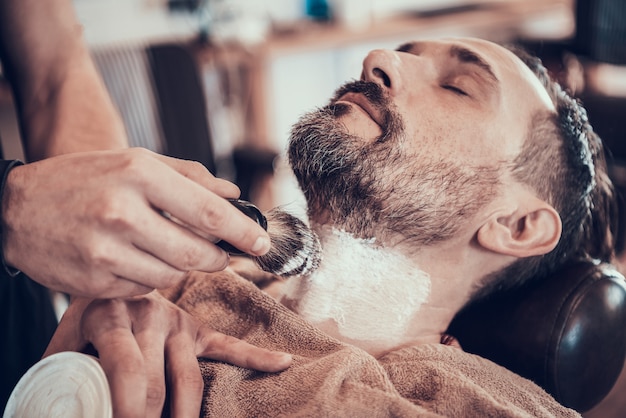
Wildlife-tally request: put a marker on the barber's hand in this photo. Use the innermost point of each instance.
(140, 340)
(90, 224)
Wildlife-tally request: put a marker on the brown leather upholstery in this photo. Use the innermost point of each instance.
(566, 333)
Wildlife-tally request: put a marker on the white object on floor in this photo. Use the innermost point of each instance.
(64, 385)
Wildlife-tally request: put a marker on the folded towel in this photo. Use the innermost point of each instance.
(331, 378)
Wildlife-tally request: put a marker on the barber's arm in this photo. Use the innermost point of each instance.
(62, 103)
(84, 217)
(92, 206)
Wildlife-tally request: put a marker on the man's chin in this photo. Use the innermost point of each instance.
(358, 124)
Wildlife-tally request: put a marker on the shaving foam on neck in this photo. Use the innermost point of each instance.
(367, 293)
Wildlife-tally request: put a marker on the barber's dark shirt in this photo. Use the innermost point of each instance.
(27, 322)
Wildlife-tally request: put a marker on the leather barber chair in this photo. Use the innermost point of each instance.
(566, 333)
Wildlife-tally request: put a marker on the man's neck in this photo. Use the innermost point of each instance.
(373, 297)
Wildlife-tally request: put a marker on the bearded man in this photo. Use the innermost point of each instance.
(445, 158)
(449, 166)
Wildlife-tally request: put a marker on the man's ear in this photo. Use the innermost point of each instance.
(533, 229)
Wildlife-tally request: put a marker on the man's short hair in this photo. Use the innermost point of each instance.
(563, 161)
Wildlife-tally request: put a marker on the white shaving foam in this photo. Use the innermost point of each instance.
(370, 293)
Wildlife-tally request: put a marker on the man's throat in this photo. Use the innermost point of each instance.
(361, 294)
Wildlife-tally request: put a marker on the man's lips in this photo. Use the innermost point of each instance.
(365, 105)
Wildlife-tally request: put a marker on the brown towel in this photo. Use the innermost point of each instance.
(332, 379)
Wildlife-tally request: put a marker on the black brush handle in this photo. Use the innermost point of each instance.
(251, 212)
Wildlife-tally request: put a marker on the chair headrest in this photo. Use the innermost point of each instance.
(566, 333)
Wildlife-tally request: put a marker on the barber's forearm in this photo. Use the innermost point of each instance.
(62, 103)
(39, 41)
(80, 117)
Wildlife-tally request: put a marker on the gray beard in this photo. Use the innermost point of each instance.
(376, 189)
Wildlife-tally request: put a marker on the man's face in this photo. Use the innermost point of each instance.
(421, 143)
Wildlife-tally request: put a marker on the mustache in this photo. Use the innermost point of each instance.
(372, 92)
(391, 121)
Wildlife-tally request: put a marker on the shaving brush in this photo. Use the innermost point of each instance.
(295, 249)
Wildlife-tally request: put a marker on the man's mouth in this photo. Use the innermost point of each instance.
(360, 102)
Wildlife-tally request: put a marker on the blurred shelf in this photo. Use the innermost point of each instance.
(495, 19)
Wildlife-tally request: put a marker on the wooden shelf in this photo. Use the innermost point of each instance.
(492, 18)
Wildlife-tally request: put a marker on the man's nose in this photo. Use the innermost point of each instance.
(382, 66)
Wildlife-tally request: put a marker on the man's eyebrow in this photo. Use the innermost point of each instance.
(461, 53)
(408, 47)
(468, 56)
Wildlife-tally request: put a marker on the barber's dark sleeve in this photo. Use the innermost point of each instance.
(27, 319)
(5, 167)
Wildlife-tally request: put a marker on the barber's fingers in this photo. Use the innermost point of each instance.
(177, 246)
(129, 271)
(152, 261)
(151, 345)
(200, 174)
(202, 209)
(218, 346)
(125, 286)
(125, 372)
(120, 356)
(184, 377)
(138, 273)
(158, 260)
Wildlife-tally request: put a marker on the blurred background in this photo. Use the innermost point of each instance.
(222, 81)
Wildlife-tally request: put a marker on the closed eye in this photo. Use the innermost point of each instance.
(455, 90)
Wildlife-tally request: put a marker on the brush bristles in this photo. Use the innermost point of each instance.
(295, 248)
